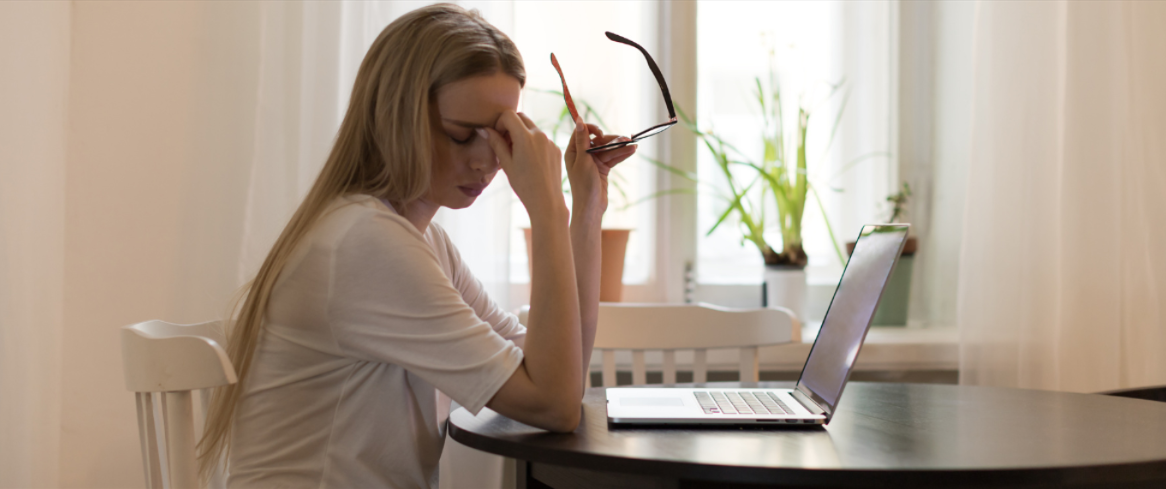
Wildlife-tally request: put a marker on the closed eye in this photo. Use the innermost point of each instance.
(463, 141)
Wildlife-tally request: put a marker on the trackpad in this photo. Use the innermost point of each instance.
(651, 401)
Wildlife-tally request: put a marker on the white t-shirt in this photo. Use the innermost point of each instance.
(368, 319)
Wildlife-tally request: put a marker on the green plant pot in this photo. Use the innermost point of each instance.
(892, 310)
(893, 306)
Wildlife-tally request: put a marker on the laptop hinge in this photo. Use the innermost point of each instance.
(808, 403)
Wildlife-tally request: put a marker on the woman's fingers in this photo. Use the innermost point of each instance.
(602, 140)
(509, 122)
(616, 156)
(527, 122)
(498, 144)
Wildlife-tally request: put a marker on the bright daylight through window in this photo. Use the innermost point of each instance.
(612, 87)
(830, 60)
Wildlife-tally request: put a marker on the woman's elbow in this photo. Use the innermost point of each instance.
(566, 419)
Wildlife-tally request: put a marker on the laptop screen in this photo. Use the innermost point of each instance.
(851, 311)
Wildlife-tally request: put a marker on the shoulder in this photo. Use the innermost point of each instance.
(362, 223)
(438, 236)
(355, 213)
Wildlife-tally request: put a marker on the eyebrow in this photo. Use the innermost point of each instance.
(471, 125)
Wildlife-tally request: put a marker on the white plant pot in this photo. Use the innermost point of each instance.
(786, 287)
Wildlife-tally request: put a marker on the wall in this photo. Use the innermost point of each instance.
(161, 122)
(34, 75)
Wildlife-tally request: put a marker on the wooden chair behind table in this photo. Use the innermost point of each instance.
(696, 327)
(163, 363)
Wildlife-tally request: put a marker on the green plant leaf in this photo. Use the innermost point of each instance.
(829, 228)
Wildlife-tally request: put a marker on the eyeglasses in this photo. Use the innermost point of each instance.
(646, 133)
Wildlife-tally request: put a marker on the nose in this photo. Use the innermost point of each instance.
(483, 158)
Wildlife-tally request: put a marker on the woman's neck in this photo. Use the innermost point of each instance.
(418, 212)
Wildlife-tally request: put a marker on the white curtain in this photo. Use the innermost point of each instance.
(1062, 275)
(34, 43)
(152, 151)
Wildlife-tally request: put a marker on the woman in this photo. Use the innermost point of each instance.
(363, 308)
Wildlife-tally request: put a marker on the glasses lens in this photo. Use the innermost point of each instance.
(652, 131)
(609, 146)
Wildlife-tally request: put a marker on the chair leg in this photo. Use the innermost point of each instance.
(180, 436)
(148, 438)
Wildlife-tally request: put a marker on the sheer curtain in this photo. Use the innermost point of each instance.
(34, 43)
(1062, 278)
(152, 153)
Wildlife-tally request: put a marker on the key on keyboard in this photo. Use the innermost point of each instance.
(742, 402)
(706, 403)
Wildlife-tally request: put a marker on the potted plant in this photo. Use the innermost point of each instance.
(893, 307)
(779, 182)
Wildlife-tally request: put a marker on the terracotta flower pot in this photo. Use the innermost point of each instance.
(614, 246)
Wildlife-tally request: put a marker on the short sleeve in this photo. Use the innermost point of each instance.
(390, 302)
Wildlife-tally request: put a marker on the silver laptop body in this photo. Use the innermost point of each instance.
(827, 368)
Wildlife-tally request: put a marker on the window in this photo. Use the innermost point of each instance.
(809, 47)
(612, 79)
(814, 44)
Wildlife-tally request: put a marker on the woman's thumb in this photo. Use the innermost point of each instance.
(582, 139)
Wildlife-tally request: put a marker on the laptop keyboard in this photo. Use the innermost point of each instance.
(741, 402)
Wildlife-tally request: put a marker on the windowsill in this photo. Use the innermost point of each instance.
(887, 348)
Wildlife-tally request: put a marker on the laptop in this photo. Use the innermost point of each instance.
(827, 368)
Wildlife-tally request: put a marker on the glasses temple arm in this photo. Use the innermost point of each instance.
(652, 66)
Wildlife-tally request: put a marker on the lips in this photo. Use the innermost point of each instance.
(472, 190)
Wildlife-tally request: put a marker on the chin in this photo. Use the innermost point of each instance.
(461, 203)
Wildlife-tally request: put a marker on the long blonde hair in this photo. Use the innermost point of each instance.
(384, 148)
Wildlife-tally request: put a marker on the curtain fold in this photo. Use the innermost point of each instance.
(1061, 282)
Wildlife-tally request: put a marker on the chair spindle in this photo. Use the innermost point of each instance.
(639, 371)
(700, 366)
(669, 366)
(608, 368)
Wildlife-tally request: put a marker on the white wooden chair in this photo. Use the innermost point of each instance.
(696, 327)
(163, 363)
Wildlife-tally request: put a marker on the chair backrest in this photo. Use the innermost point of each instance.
(163, 363)
(696, 327)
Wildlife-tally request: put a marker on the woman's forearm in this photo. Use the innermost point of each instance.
(554, 337)
(585, 246)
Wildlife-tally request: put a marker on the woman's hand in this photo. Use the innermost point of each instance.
(588, 172)
(530, 160)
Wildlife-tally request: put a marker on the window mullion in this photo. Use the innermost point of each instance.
(676, 213)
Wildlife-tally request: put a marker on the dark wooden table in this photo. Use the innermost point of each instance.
(883, 435)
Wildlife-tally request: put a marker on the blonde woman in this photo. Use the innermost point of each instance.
(363, 309)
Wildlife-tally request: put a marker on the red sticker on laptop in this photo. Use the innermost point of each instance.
(566, 93)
